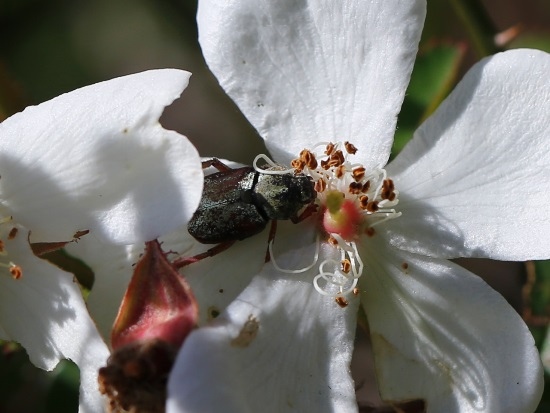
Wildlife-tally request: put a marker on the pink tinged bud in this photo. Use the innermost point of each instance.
(342, 216)
(158, 303)
(156, 315)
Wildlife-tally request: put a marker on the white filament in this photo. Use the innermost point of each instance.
(278, 171)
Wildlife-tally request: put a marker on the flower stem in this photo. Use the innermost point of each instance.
(478, 24)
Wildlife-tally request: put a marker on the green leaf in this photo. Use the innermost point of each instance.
(532, 40)
(540, 293)
(63, 391)
(433, 77)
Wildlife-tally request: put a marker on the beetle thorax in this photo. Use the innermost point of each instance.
(283, 196)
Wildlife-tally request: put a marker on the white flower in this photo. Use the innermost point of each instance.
(95, 159)
(473, 182)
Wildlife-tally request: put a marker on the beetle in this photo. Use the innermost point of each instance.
(238, 203)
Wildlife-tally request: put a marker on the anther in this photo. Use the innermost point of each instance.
(332, 241)
(329, 149)
(298, 165)
(358, 173)
(312, 163)
(13, 233)
(340, 171)
(363, 201)
(346, 266)
(366, 187)
(309, 159)
(341, 301)
(372, 206)
(355, 188)
(16, 271)
(79, 234)
(350, 148)
(339, 156)
(333, 162)
(303, 154)
(320, 185)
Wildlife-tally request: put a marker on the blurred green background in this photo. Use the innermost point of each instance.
(51, 47)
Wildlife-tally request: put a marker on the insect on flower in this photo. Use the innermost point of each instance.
(239, 203)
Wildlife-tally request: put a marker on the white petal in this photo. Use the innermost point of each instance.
(215, 281)
(298, 361)
(218, 280)
(314, 70)
(45, 312)
(475, 179)
(112, 266)
(97, 158)
(441, 334)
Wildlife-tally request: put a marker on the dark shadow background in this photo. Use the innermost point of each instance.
(54, 46)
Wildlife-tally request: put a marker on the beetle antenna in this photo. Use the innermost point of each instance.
(300, 270)
(277, 171)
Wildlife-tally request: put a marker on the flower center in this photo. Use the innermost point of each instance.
(352, 202)
(7, 233)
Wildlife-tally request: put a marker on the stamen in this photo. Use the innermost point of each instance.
(309, 159)
(277, 168)
(352, 200)
(298, 165)
(16, 271)
(379, 187)
(372, 206)
(13, 232)
(389, 215)
(341, 301)
(358, 173)
(337, 158)
(346, 266)
(355, 188)
(338, 278)
(350, 148)
(299, 270)
(320, 185)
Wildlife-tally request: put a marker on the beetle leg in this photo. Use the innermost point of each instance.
(272, 231)
(306, 213)
(216, 163)
(182, 261)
